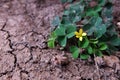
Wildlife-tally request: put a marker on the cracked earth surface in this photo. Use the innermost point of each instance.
(24, 29)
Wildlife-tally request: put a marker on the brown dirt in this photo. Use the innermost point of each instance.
(24, 29)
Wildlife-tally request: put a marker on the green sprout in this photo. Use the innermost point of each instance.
(96, 33)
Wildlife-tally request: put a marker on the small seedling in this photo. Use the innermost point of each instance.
(89, 27)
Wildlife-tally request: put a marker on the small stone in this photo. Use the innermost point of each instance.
(6, 6)
(99, 60)
(118, 23)
(78, 77)
(60, 60)
(111, 60)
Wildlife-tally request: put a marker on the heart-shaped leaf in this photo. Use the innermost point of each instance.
(60, 31)
(62, 40)
(103, 46)
(84, 56)
(90, 50)
(84, 43)
(75, 51)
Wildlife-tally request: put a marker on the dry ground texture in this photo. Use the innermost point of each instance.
(24, 29)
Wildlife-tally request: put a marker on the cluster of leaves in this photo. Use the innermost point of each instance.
(95, 20)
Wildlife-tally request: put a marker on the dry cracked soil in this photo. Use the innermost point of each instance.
(24, 29)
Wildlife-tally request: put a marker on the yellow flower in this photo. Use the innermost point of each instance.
(80, 34)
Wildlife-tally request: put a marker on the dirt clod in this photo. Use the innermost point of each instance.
(111, 60)
(60, 60)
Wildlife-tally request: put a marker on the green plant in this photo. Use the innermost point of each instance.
(97, 33)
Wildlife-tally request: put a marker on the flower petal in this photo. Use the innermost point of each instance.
(77, 36)
(84, 34)
(81, 38)
(81, 31)
(76, 33)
